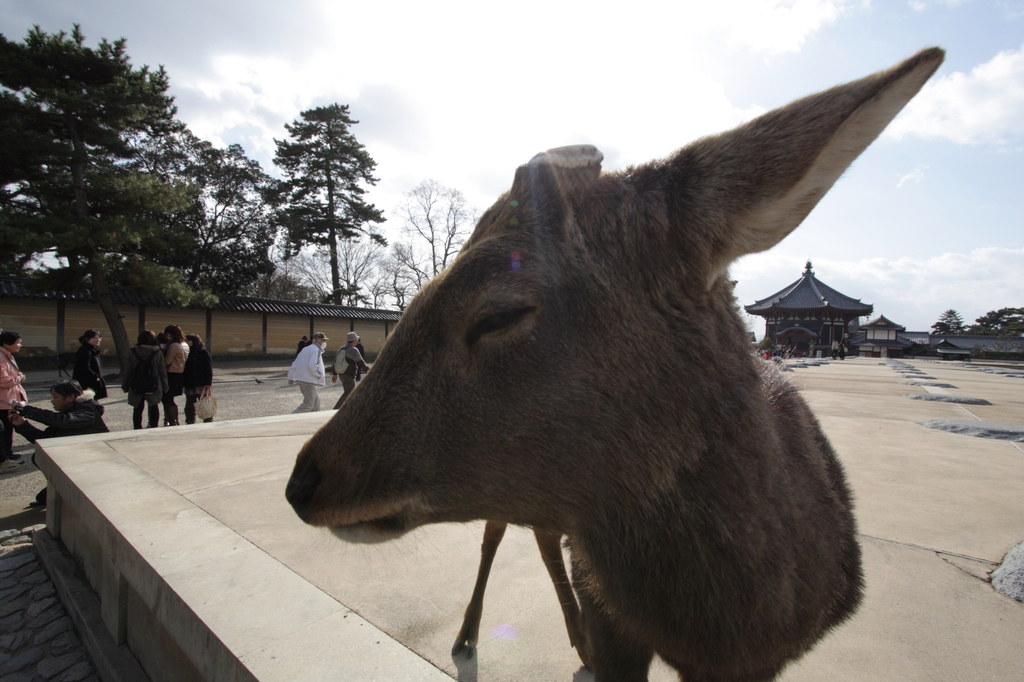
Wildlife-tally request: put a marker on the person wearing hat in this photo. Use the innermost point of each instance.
(308, 372)
(348, 360)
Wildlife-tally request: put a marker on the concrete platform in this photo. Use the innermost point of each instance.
(203, 571)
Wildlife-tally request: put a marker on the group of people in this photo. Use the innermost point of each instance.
(309, 372)
(839, 349)
(161, 368)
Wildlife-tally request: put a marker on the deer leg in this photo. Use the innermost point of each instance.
(614, 656)
(551, 551)
(470, 633)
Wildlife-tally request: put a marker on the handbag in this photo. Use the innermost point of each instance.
(206, 408)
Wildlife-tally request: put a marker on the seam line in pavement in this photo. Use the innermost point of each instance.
(929, 549)
(969, 412)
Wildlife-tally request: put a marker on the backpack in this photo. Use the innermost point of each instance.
(143, 379)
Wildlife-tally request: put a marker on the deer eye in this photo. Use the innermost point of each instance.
(496, 323)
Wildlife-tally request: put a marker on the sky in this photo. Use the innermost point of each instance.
(930, 217)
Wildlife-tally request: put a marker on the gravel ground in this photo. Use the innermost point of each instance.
(239, 396)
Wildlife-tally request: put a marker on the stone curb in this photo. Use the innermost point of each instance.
(113, 663)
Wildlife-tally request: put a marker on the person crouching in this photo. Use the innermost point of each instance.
(76, 412)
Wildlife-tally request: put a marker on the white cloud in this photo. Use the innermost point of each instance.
(922, 5)
(985, 106)
(916, 175)
(777, 26)
(467, 106)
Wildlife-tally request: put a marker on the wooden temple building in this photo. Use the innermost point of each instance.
(882, 338)
(808, 314)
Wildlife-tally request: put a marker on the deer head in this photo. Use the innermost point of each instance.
(584, 347)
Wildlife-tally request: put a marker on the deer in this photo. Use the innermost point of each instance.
(706, 516)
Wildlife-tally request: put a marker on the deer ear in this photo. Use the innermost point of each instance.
(580, 161)
(557, 173)
(539, 192)
(750, 187)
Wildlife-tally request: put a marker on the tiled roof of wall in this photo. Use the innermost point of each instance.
(17, 287)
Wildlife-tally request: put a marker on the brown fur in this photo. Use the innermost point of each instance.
(707, 516)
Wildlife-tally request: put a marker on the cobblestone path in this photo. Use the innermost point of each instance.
(38, 642)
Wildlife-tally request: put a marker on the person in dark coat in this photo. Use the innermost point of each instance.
(147, 350)
(362, 354)
(198, 375)
(303, 342)
(76, 413)
(88, 370)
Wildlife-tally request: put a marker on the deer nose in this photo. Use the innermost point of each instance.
(301, 488)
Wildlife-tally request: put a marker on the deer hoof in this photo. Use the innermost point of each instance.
(464, 645)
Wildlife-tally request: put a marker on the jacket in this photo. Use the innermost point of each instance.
(84, 416)
(308, 367)
(153, 355)
(175, 357)
(88, 371)
(347, 360)
(198, 369)
(10, 380)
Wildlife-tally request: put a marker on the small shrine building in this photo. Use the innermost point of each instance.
(882, 338)
(808, 314)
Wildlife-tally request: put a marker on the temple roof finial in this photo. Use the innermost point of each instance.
(807, 269)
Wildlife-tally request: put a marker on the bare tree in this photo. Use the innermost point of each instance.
(394, 283)
(314, 270)
(357, 263)
(284, 283)
(438, 220)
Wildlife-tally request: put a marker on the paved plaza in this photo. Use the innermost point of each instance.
(256, 594)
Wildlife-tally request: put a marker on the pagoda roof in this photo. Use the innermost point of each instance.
(882, 322)
(809, 293)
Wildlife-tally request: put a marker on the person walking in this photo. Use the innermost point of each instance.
(198, 375)
(77, 413)
(308, 372)
(303, 342)
(174, 357)
(349, 360)
(88, 370)
(362, 354)
(10, 389)
(145, 385)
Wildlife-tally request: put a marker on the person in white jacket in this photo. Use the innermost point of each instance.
(308, 372)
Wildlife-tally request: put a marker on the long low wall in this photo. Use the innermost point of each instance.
(49, 327)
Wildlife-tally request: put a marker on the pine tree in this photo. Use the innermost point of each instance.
(949, 322)
(326, 168)
(229, 219)
(73, 189)
(1004, 322)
